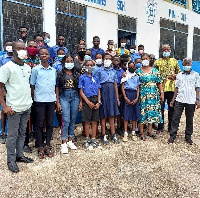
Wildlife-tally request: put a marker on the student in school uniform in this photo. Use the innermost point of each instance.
(130, 91)
(58, 60)
(91, 99)
(46, 41)
(119, 71)
(186, 96)
(43, 82)
(109, 99)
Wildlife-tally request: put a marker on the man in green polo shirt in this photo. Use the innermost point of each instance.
(15, 76)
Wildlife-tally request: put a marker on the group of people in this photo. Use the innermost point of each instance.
(112, 85)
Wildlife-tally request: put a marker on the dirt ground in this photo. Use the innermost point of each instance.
(134, 169)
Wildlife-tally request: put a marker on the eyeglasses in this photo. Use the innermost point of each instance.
(23, 31)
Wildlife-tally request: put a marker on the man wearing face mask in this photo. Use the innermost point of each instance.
(122, 50)
(46, 42)
(58, 60)
(138, 55)
(3, 60)
(186, 96)
(78, 62)
(111, 48)
(15, 76)
(9, 53)
(31, 60)
(32, 50)
(168, 68)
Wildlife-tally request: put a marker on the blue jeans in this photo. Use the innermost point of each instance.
(69, 101)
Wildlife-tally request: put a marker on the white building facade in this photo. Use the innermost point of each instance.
(147, 22)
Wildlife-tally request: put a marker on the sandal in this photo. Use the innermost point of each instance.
(154, 136)
(143, 137)
(41, 153)
(49, 151)
(158, 132)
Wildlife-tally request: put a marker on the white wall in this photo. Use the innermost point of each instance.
(103, 24)
(49, 17)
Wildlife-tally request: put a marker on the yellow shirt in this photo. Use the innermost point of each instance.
(167, 67)
(125, 52)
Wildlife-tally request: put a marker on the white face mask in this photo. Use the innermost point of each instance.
(145, 63)
(123, 44)
(107, 63)
(9, 49)
(99, 61)
(21, 54)
(132, 51)
(69, 66)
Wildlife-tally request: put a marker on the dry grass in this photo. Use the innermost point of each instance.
(134, 169)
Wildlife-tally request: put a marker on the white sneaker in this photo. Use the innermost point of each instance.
(63, 148)
(125, 138)
(133, 133)
(71, 145)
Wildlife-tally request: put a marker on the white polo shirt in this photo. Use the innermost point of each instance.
(16, 79)
(186, 84)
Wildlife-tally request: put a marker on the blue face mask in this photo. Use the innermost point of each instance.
(87, 57)
(46, 40)
(138, 65)
(166, 54)
(60, 57)
(187, 68)
(69, 66)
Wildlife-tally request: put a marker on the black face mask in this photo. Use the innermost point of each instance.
(132, 70)
(81, 54)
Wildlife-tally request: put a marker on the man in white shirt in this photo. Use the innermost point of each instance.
(15, 76)
(186, 96)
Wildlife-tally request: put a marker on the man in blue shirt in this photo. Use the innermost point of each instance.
(96, 49)
(139, 54)
(9, 53)
(43, 81)
(58, 60)
(3, 60)
(46, 41)
(61, 42)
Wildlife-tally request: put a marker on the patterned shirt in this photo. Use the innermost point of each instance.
(122, 51)
(31, 63)
(167, 67)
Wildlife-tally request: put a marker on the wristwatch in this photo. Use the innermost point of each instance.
(100, 102)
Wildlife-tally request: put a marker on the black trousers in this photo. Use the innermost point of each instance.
(27, 134)
(167, 96)
(42, 109)
(189, 113)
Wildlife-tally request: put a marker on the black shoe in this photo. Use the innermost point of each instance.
(24, 159)
(189, 141)
(12, 166)
(171, 140)
(27, 149)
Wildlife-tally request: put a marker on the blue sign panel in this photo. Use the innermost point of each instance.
(121, 5)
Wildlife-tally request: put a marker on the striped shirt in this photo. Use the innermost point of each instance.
(186, 84)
